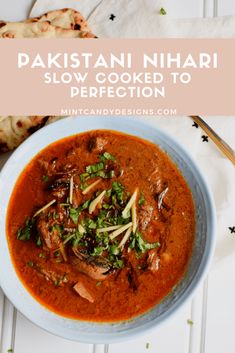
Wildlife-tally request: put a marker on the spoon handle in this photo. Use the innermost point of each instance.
(220, 143)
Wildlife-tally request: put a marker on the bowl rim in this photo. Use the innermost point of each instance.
(210, 244)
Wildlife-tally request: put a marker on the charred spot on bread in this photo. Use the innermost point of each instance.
(77, 27)
(32, 129)
(2, 24)
(3, 147)
(19, 123)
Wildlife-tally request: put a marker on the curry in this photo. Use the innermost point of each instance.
(101, 226)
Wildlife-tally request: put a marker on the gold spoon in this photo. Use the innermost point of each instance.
(220, 143)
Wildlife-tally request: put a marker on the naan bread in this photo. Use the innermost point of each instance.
(39, 30)
(64, 18)
(64, 23)
(15, 129)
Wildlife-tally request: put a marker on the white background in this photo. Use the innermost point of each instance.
(212, 309)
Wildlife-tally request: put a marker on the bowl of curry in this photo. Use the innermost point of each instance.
(107, 227)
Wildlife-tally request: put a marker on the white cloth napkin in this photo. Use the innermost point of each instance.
(139, 19)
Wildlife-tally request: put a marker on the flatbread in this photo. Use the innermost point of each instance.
(15, 129)
(64, 23)
(64, 18)
(39, 30)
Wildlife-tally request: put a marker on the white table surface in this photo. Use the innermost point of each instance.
(212, 308)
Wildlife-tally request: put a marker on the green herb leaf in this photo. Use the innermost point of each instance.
(57, 282)
(142, 199)
(107, 156)
(162, 11)
(74, 214)
(30, 263)
(39, 241)
(84, 176)
(45, 178)
(90, 224)
(76, 240)
(108, 193)
(97, 251)
(25, 232)
(114, 250)
(42, 255)
(118, 263)
(10, 350)
(147, 345)
(118, 190)
(190, 322)
(95, 167)
(141, 245)
(85, 205)
(101, 218)
(83, 186)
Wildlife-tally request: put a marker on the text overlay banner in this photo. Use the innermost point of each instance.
(64, 77)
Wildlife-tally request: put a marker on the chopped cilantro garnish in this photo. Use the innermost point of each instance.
(39, 241)
(57, 282)
(97, 251)
(142, 199)
(141, 245)
(76, 239)
(42, 255)
(162, 11)
(57, 254)
(25, 232)
(83, 177)
(56, 228)
(95, 167)
(85, 205)
(114, 250)
(90, 223)
(45, 178)
(118, 190)
(107, 156)
(118, 263)
(74, 214)
(30, 263)
(83, 186)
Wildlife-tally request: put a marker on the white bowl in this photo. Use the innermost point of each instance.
(202, 251)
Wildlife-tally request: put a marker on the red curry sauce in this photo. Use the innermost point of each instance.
(165, 216)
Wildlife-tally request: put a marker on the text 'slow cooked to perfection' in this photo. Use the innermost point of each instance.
(114, 84)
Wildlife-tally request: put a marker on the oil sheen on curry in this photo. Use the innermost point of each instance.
(101, 226)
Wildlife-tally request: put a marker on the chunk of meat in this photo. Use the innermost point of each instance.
(59, 188)
(83, 292)
(48, 226)
(49, 233)
(96, 267)
(51, 276)
(145, 216)
(153, 260)
(96, 144)
(49, 168)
